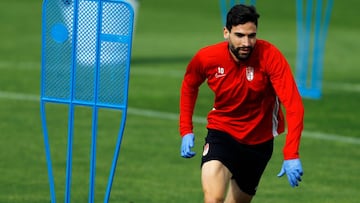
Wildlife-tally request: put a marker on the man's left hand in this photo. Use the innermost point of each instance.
(293, 169)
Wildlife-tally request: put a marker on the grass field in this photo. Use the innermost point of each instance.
(150, 168)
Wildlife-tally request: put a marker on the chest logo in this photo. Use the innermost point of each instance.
(249, 73)
(220, 72)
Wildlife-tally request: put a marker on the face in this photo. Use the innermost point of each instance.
(242, 39)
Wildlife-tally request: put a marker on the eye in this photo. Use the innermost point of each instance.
(239, 35)
(253, 35)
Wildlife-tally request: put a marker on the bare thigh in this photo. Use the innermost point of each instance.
(215, 178)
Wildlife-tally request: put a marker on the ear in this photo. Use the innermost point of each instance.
(226, 33)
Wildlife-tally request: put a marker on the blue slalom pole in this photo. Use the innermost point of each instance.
(223, 10)
(232, 2)
(300, 43)
(315, 83)
(252, 2)
(325, 29)
(319, 47)
(307, 40)
(225, 5)
(309, 76)
(304, 22)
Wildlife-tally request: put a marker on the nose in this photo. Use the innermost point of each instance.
(245, 41)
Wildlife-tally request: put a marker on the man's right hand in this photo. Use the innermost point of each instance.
(186, 144)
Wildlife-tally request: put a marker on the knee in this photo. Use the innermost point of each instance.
(208, 198)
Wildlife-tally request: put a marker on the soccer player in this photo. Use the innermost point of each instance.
(250, 78)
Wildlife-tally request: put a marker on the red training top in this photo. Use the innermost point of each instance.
(247, 95)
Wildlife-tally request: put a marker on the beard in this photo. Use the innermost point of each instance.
(241, 53)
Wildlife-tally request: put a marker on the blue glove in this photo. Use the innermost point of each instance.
(186, 145)
(293, 170)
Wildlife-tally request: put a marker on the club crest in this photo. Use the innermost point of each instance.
(249, 73)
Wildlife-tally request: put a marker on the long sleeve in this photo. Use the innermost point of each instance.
(189, 91)
(285, 87)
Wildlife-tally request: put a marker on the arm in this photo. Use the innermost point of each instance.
(189, 91)
(286, 89)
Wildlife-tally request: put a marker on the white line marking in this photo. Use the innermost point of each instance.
(21, 65)
(348, 87)
(172, 116)
(18, 96)
(31, 65)
(324, 136)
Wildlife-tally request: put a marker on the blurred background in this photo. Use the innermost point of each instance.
(150, 169)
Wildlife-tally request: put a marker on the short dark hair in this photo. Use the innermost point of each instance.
(241, 14)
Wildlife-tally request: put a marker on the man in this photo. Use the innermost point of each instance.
(250, 78)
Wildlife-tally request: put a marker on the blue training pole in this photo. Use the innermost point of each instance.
(309, 76)
(225, 5)
(319, 40)
(316, 71)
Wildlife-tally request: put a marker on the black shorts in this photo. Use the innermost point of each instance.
(246, 162)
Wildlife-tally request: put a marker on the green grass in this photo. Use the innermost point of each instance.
(150, 168)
